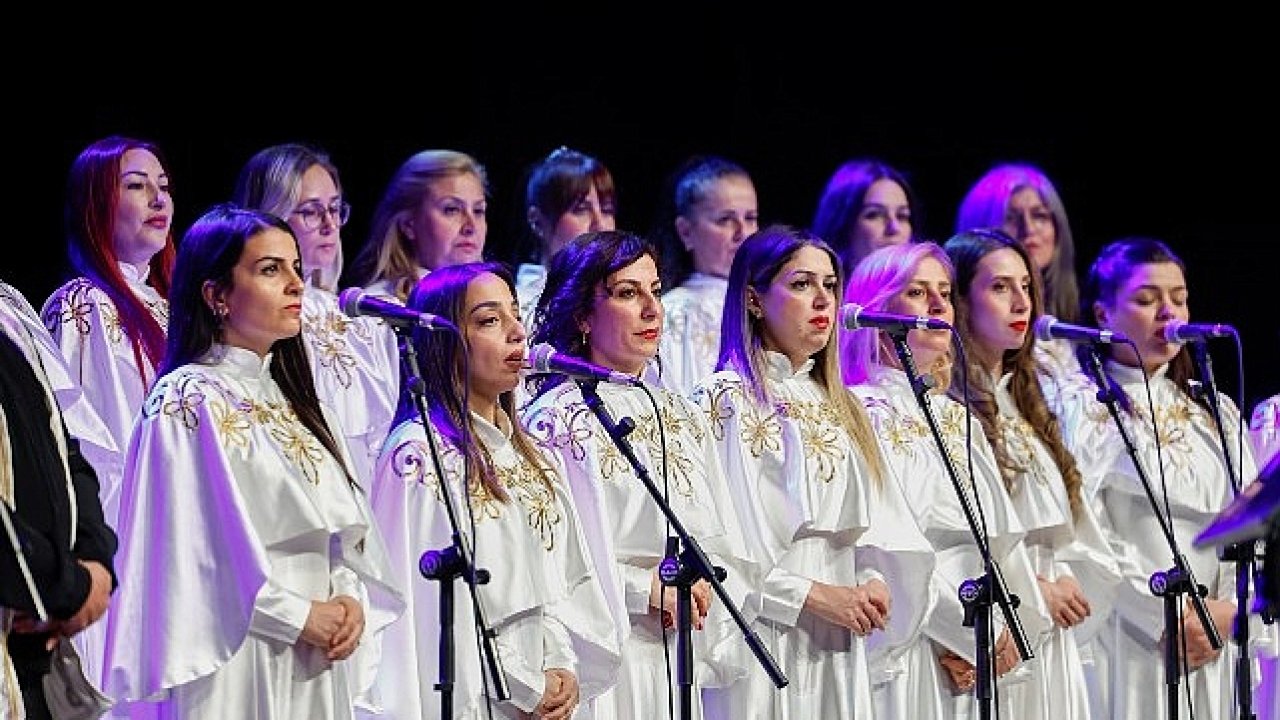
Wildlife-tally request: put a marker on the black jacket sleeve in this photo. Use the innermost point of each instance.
(95, 540)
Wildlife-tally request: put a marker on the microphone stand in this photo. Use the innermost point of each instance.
(683, 570)
(1179, 579)
(1243, 553)
(452, 561)
(976, 594)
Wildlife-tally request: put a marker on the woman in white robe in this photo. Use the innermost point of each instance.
(1135, 287)
(250, 576)
(110, 321)
(602, 305)
(355, 360)
(997, 299)
(711, 208)
(543, 598)
(939, 676)
(844, 556)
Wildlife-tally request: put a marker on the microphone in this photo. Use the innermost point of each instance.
(545, 359)
(1049, 327)
(853, 317)
(1176, 331)
(355, 302)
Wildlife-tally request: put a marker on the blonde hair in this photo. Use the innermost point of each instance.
(388, 255)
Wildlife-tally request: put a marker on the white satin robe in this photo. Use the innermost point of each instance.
(530, 281)
(237, 519)
(627, 532)
(544, 599)
(1059, 544)
(691, 331)
(923, 690)
(804, 496)
(356, 366)
(1130, 680)
(1264, 430)
(85, 323)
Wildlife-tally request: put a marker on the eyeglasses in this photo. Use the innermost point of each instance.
(313, 214)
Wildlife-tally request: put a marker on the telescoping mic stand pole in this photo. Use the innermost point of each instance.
(450, 562)
(683, 570)
(976, 594)
(1178, 580)
(1243, 553)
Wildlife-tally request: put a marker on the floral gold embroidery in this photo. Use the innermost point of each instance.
(529, 487)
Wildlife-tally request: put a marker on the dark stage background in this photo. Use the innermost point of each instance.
(1178, 144)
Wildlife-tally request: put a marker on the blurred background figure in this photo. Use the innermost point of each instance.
(866, 205)
(708, 210)
(433, 213)
(566, 194)
(1264, 427)
(51, 496)
(1019, 199)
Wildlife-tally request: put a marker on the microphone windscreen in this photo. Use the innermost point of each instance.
(849, 316)
(349, 300)
(539, 358)
(1043, 327)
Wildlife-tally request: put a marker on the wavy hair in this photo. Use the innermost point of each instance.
(966, 250)
(557, 183)
(388, 254)
(570, 295)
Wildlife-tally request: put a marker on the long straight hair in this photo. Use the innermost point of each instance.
(756, 265)
(89, 217)
(272, 181)
(210, 250)
(985, 205)
(876, 280)
(388, 254)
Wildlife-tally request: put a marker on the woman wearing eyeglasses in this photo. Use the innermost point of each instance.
(354, 360)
